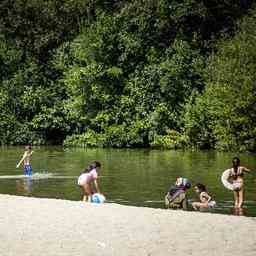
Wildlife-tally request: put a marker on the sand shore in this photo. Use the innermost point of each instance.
(50, 227)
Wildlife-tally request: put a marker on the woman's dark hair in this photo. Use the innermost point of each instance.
(201, 187)
(92, 166)
(236, 162)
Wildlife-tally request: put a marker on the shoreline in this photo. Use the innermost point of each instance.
(39, 226)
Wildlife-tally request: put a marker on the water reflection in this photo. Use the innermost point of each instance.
(133, 177)
(24, 186)
(238, 211)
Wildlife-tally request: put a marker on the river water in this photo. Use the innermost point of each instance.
(132, 177)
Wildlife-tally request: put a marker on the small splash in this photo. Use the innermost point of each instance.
(35, 176)
(38, 176)
(12, 177)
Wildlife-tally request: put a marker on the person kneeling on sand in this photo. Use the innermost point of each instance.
(87, 178)
(176, 196)
(205, 199)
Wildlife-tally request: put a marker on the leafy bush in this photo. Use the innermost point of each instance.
(225, 114)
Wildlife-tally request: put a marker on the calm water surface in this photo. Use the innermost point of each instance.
(132, 177)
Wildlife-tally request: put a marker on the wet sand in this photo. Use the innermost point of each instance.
(51, 227)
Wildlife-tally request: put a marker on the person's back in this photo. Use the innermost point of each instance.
(236, 176)
(87, 176)
(176, 196)
(179, 202)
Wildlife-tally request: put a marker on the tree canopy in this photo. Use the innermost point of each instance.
(146, 73)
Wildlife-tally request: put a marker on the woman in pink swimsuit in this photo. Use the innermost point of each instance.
(236, 174)
(88, 177)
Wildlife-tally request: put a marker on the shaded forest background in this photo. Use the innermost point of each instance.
(145, 73)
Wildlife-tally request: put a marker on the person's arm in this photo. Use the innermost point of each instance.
(245, 169)
(21, 160)
(97, 186)
(206, 197)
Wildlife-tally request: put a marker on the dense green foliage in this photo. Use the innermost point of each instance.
(224, 115)
(128, 73)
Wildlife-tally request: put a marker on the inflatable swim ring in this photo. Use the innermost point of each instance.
(98, 198)
(227, 183)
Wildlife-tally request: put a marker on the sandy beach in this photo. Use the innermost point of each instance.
(35, 227)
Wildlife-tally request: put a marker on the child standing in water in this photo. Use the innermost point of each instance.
(88, 177)
(205, 199)
(26, 158)
(236, 174)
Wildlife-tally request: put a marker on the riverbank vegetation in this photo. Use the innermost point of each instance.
(163, 73)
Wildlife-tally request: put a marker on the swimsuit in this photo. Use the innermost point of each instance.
(238, 183)
(237, 174)
(88, 177)
(27, 170)
(211, 203)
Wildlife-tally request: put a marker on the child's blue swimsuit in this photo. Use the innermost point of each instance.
(28, 170)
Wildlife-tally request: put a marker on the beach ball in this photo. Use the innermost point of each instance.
(98, 198)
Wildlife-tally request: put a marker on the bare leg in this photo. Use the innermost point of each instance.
(241, 197)
(236, 197)
(198, 205)
(86, 192)
(194, 205)
(87, 198)
(238, 211)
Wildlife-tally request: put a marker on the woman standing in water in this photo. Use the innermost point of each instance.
(236, 175)
(26, 158)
